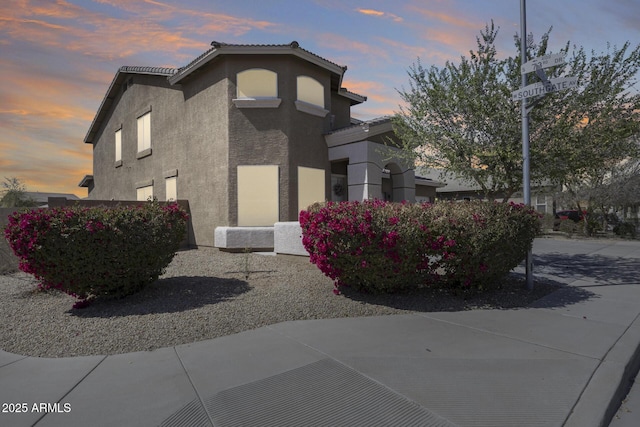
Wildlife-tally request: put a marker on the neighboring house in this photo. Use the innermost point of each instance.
(42, 199)
(249, 134)
(542, 198)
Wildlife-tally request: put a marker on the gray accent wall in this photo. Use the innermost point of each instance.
(200, 134)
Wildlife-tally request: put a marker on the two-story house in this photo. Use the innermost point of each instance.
(249, 134)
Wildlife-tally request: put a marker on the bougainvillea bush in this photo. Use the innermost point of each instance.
(379, 246)
(492, 238)
(371, 245)
(97, 252)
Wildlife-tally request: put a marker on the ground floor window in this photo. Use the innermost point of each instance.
(144, 193)
(311, 187)
(541, 203)
(171, 188)
(258, 195)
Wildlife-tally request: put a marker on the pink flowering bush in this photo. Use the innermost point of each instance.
(378, 246)
(373, 245)
(491, 239)
(97, 252)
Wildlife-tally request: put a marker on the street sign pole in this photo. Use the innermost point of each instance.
(525, 135)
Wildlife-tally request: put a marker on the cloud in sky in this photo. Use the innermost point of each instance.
(59, 56)
(380, 14)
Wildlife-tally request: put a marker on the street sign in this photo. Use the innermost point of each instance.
(539, 88)
(543, 62)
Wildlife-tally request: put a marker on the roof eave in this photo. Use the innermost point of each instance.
(117, 81)
(222, 49)
(359, 132)
(353, 97)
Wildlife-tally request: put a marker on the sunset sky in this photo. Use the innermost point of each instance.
(58, 57)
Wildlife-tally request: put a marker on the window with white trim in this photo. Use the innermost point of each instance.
(118, 144)
(144, 132)
(310, 91)
(257, 88)
(311, 186)
(258, 195)
(541, 203)
(171, 187)
(144, 193)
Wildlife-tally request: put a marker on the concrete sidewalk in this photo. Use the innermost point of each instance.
(565, 361)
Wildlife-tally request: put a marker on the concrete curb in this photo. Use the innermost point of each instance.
(609, 383)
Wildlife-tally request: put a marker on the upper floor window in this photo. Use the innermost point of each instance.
(257, 88)
(310, 91)
(310, 96)
(144, 135)
(118, 143)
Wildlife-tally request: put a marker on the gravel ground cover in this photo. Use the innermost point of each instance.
(206, 293)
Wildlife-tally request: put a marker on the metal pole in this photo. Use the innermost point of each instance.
(525, 135)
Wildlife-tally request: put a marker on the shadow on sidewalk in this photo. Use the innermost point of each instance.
(511, 294)
(601, 269)
(168, 295)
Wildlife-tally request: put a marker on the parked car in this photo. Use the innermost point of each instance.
(574, 215)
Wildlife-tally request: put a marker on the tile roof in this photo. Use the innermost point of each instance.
(160, 71)
(174, 75)
(218, 48)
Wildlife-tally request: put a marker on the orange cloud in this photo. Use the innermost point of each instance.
(382, 99)
(370, 12)
(90, 33)
(377, 13)
(338, 42)
(449, 19)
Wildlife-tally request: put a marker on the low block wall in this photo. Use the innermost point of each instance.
(287, 239)
(238, 239)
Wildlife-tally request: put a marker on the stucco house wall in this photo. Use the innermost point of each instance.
(203, 131)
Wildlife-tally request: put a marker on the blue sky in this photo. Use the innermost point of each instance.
(59, 56)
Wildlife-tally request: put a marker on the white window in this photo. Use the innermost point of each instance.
(171, 185)
(541, 203)
(119, 145)
(310, 91)
(257, 83)
(257, 88)
(258, 195)
(310, 96)
(144, 193)
(144, 132)
(311, 187)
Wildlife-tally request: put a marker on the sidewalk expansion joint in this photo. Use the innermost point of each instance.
(509, 336)
(74, 387)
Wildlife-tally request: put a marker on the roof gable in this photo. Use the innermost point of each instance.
(175, 76)
(118, 80)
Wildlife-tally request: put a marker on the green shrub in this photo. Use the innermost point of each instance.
(97, 252)
(570, 227)
(625, 229)
(491, 239)
(383, 247)
(548, 222)
(372, 246)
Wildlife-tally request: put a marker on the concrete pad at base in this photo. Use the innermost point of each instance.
(242, 238)
(287, 238)
(145, 387)
(34, 381)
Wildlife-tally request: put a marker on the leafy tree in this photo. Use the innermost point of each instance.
(462, 120)
(14, 194)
